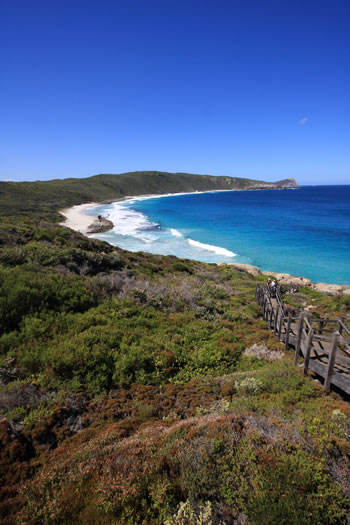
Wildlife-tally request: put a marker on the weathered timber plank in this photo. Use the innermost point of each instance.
(331, 361)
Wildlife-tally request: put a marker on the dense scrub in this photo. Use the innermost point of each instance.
(127, 396)
(44, 198)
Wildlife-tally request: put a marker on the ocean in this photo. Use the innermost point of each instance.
(304, 231)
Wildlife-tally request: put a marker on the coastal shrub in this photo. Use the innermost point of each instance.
(295, 489)
(345, 301)
(26, 293)
(181, 267)
(37, 415)
(187, 515)
(250, 468)
(138, 362)
(283, 378)
(248, 385)
(120, 343)
(12, 256)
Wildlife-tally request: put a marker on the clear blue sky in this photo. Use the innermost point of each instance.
(241, 88)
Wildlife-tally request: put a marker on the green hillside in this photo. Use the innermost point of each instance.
(141, 389)
(44, 198)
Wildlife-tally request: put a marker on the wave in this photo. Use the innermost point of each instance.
(216, 249)
(134, 231)
(175, 233)
(131, 222)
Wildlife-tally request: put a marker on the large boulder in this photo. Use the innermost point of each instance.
(253, 270)
(330, 289)
(100, 225)
(286, 278)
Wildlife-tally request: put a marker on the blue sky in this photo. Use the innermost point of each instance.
(257, 89)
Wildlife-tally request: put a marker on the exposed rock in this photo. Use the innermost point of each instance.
(286, 278)
(253, 270)
(303, 282)
(100, 225)
(263, 353)
(287, 183)
(7, 375)
(330, 289)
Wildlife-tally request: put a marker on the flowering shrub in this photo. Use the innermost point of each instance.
(248, 385)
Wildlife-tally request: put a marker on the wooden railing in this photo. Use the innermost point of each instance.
(324, 344)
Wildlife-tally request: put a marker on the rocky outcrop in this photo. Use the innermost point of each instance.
(286, 278)
(100, 225)
(287, 183)
(292, 280)
(253, 270)
(303, 282)
(331, 289)
(263, 353)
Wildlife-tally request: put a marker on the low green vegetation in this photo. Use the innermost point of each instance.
(43, 199)
(127, 395)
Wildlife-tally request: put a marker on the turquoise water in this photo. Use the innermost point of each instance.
(302, 232)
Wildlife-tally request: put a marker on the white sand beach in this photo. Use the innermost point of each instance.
(77, 219)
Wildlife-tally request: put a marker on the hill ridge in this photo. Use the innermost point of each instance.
(45, 198)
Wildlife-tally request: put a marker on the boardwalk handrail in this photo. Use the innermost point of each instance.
(321, 342)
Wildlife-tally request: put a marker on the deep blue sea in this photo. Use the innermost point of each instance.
(303, 232)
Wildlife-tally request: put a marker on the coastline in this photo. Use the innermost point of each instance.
(79, 221)
(76, 219)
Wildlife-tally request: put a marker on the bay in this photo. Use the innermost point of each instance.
(304, 232)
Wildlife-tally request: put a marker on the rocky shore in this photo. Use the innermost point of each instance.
(292, 280)
(100, 225)
(79, 221)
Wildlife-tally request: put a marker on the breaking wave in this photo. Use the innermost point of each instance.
(135, 231)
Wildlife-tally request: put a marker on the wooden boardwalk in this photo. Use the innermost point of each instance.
(323, 344)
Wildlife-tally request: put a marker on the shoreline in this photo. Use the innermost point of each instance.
(76, 219)
(79, 221)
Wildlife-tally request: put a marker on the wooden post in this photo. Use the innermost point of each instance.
(280, 326)
(321, 327)
(267, 310)
(308, 350)
(276, 319)
(266, 307)
(271, 316)
(300, 333)
(331, 361)
(342, 319)
(289, 322)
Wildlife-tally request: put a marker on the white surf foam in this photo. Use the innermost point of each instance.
(130, 222)
(134, 231)
(175, 233)
(216, 249)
